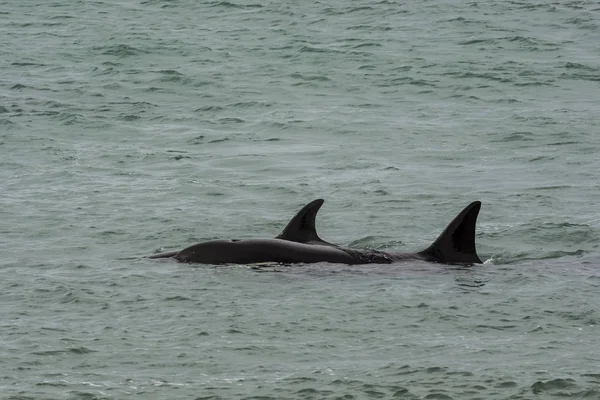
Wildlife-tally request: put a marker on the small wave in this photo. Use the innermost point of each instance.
(230, 120)
(228, 4)
(540, 386)
(516, 136)
(358, 46)
(27, 64)
(225, 139)
(570, 65)
(312, 49)
(249, 104)
(370, 28)
(583, 77)
(73, 350)
(313, 78)
(121, 50)
(356, 9)
(477, 41)
(177, 298)
(53, 384)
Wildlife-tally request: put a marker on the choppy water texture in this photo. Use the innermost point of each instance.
(130, 127)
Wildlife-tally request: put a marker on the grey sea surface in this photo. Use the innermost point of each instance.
(133, 127)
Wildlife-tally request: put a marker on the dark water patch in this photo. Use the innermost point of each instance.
(373, 44)
(229, 4)
(27, 64)
(590, 317)
(179, 157)
(155, 89)
(112, 86)
(593, 77)
(169, 72)
(81, 350)
(120, 50)
(412, 81)
(359, 9)
(197, 140)
(129, 117)
(476, 75)
(587, 394)
(53, 384)
(314, 49)
(209, 108)
(565, 143)
(553, 188)
(259, 398)
(583, 23)
(483, 328)
(370, 28)
(74, 350)
(69, 118)
(595, 377)
(477, 41)
(20, 24)
(319, 78)
(174, 77)
(438, 396)
(225, 139)
(535, 83)
(209, 397)
(250, 104)
(112, 64)
(368, 67)
(552, 386)
(230, 120)
(516, 136)
(506, 385)
(178, 298)
(52, 24)
(77, 394)
(572, 65)
(541, 158)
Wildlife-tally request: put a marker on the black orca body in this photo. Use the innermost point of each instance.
(299, 243)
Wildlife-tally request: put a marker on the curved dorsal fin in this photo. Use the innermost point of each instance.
(301, 228)
(456, 244)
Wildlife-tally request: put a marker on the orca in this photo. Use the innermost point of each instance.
(301, 227)
(300, 243)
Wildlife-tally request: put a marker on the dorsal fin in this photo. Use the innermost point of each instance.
(456, 245)
(301, 228)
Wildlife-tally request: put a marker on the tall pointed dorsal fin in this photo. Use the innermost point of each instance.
(456, 244)
(301, 228)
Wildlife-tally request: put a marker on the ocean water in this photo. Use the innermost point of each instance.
(132, 127)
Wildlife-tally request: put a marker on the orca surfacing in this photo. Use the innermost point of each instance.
(299, 243)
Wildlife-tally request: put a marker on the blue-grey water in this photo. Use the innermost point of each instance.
(132, 127)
